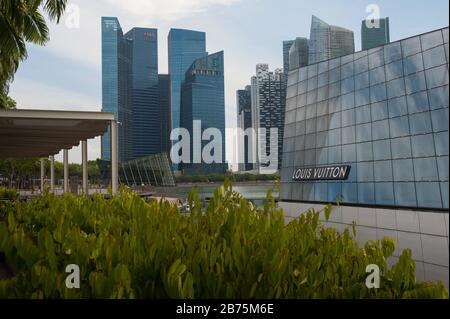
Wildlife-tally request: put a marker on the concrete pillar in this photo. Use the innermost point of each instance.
(114, 158)
(66, 170)
(84, 155)
(42, 175)
(52, 174)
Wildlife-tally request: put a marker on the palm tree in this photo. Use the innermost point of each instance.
(22, 21)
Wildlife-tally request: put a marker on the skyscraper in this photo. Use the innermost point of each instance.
(286, 47)
(164, 103)
(244, 115)
(116, 86)
(203, 99)
(145, 92)
(298, 54)
(374, 33)
(185, 46)
(328, 41)
(268, 100)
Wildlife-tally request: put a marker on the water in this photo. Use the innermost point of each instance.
(253, 192)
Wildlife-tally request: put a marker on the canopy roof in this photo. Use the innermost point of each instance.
(39, 133)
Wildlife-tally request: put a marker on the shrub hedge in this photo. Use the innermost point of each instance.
(127, 248)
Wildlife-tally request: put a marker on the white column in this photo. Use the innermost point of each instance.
(66, 170)
(114, 158)
(52, 174)
(42, 175)
(84, 156)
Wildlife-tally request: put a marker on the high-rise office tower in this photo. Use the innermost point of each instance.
(203, 99)
(374, 33)
(185, 46)
(244, 115)
(329, 41)
(145, 92)
(298, 54)
(268, 100)
(164, 103)
(116, 86)
(286, 47)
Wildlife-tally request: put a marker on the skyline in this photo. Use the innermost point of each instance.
(59, 76)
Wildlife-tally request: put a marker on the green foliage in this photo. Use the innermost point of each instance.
(127, 248)
(6, 102)
(8, 194)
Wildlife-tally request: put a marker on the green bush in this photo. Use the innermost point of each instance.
(127, 248)
(8, 194)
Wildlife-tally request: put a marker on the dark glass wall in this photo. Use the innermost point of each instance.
(164, 103)
(373, 37)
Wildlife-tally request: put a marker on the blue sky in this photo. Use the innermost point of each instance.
(66, 74)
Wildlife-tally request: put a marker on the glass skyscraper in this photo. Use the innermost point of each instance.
(185, 46)
(145, 92)
(116, 86)
(298, 54)
(244, 115)
(286, 47)
(203, 100)
(164, 103)
(329, 41)
(374, 33)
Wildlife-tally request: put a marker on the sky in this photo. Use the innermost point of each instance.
(66, 73)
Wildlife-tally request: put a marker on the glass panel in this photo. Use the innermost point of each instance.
(420, 123)
(322, 123)
(431, 40)
(377, 76)
(348, 135)
(384, 193)
(441, 140)
(383, 171)
(310, 157)
(418, 103)
(311, 111)
(444, 193)
(300, 143)
(429, 195)
(348, 101)
(362, 97)
(405, 194)
(302, 74)
(366, 193)
(323, 67)
(334, 105)
(401, 147)
(312, 83)
(378, 93)
(322, 93)
(308, 191)
(361, 65)
(411, 46)
(376, 59)
(440, 120)
(322, 156)
(415, 83)
(364, 132)
(396, 88)
(437, 76)
(365, 172)
(334, 137)
(363, 114)
(443, 168)
(311, 97)
(381, 150)
(334, 75)
(310, 141)
(347, 70)
(348, 117)
(434, 57)
(348, 85)
(364, 151)
(394, 70)
(322, 139)
(349, 153)
(334, 89)
(322, 108)
(335, 120)
(321, 192)
(392, 52)
(323, 79)
(379, 111)
(361, 80)
(350, 192)
(403, 170)
(310, 126)
(335, 155)
(425, 170)
(380, 130)
(312, 70)
(397, 107)
(399, 126)
(334, 192)
(439, 97)
(334, 63)
(413, 64)
(423, 146)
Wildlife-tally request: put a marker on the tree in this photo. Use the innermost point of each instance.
(22, 21)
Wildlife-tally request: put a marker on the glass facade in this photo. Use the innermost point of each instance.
(164, 104)
(146, 116)
(374, 33)
(384, 112)
(286, 47)
(116, 86)
(298, 54)
(203, 99)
